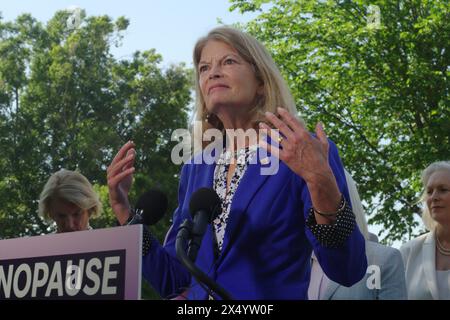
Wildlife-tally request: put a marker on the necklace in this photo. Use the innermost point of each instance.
(441, 248)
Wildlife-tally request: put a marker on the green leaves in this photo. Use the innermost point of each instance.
(66, 102)
(383, 93)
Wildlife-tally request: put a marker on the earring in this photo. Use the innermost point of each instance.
(207, 117)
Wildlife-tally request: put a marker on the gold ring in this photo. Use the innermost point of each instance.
(280, 139)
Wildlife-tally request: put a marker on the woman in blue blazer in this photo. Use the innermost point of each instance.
(273, 213)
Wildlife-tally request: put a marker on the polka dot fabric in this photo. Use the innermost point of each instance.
(146, 241)
(333, 235)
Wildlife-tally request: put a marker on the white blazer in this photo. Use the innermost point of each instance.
(419, 257)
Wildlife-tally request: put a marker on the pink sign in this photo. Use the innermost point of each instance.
(94, 264)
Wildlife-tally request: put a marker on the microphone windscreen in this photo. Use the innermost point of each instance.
(205, 199)
(153, 204)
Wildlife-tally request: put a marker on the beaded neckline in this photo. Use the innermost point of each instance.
(441, 248)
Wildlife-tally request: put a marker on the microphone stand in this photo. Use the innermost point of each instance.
(184, 233)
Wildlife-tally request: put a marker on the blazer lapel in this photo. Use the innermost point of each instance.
(249, 184)
(205, 176)
(429, 264)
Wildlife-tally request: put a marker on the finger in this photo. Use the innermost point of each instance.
(291, 120)
(321, 135)
(270, 148)
(131, 154)
(280, 125)
(123, 151)
(131, 151)
(113, 181)
(121, 165)
(128, 165)
(274, 134)
(273, 150)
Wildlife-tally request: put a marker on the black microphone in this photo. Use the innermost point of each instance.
(150, 208)
(205, 205)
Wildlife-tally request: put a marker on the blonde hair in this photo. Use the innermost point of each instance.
(72, 187)
(275, 90)
(428, 221)
(357, 207)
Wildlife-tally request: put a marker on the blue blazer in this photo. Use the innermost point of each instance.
(267, 246)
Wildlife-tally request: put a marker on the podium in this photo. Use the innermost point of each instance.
(94, 264)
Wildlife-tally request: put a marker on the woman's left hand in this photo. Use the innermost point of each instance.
(304, 154)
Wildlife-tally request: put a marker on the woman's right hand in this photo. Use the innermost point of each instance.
(120, 178)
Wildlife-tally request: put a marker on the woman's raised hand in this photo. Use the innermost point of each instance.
(304, 154)
(120, 179)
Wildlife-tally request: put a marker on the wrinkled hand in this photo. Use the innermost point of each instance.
(120, 179)
(304, 154)
(307, 156)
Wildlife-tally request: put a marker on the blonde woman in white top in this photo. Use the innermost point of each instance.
(427, 258)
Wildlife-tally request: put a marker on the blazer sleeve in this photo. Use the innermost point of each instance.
(160, 267)
(393, 285)
(347, 263)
